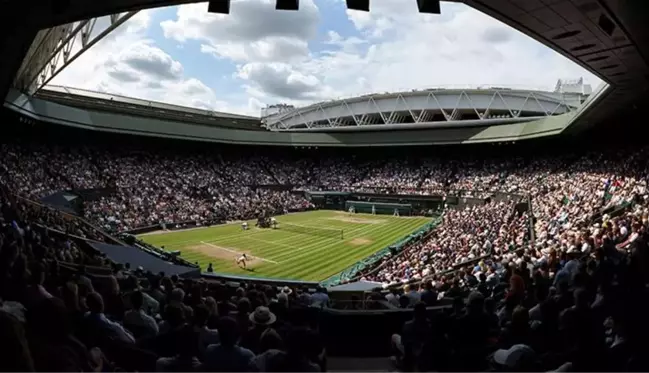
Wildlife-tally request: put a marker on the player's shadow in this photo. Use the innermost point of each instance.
(249, 269)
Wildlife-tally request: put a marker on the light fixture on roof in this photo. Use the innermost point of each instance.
(429, 6)
(583, 47)
(362, 5)
(567, 34)
(597, 58)
(219, 6)
(287, 5)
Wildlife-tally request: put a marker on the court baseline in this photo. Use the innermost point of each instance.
(238, 253)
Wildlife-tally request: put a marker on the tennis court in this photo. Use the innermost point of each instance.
(309, 247)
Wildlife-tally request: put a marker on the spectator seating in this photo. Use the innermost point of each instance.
(561, 286)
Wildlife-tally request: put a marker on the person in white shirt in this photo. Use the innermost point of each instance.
(137, 319)
(392, 297)
(150, 305)
(320, 298)
(241, 261)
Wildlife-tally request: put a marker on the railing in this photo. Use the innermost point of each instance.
(271, 281)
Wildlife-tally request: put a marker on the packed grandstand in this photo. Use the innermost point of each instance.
(559, 285)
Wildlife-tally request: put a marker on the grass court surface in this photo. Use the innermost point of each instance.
(278, 253)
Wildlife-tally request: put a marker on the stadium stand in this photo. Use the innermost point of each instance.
(561, 285)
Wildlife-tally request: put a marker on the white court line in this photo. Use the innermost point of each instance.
(347, 238)
(270, 242)
(345, 234)
(242, 233)
(225, 237)
(238, 253)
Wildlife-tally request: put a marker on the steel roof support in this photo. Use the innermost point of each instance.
(56, 48)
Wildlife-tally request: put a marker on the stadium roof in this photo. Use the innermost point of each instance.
(135, 106)
(607, 37)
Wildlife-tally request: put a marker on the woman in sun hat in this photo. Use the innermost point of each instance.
(262, 320)
(262, 316)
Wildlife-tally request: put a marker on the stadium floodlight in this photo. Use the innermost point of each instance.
(362, 5)
(287, 5)
(429, 6)
(219, 6)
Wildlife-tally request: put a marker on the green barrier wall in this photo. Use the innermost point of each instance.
(381, 207)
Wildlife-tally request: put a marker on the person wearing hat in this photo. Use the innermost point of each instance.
(519, 357)
(262, 320)
(262, 316)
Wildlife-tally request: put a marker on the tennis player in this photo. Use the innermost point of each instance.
(241, 261)
(273, 223)
(244, 226)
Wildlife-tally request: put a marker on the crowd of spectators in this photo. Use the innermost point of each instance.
(565, 194)
(65, 309)
(464, 235)
(149, 188)
(574, 297)
(538, 309)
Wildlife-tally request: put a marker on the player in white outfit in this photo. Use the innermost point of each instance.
(273, 223)
(244, 226)
(241, 261)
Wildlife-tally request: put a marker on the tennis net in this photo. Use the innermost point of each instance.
(323, 232)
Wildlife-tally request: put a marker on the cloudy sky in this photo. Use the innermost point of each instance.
(257, 56)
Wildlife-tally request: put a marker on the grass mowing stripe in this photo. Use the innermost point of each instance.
(387, 238)
(341, 256)
(311, 241)
(338, 263)
(357, 255)
(230, 227)
(269, 248)
(357, 234)
(335, 261)
(300, 250)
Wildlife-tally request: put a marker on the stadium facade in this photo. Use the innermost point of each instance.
(601, 38)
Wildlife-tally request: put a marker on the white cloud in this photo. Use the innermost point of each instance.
(253, 30)
(406, 50)
(127, 63)
(298, 57)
